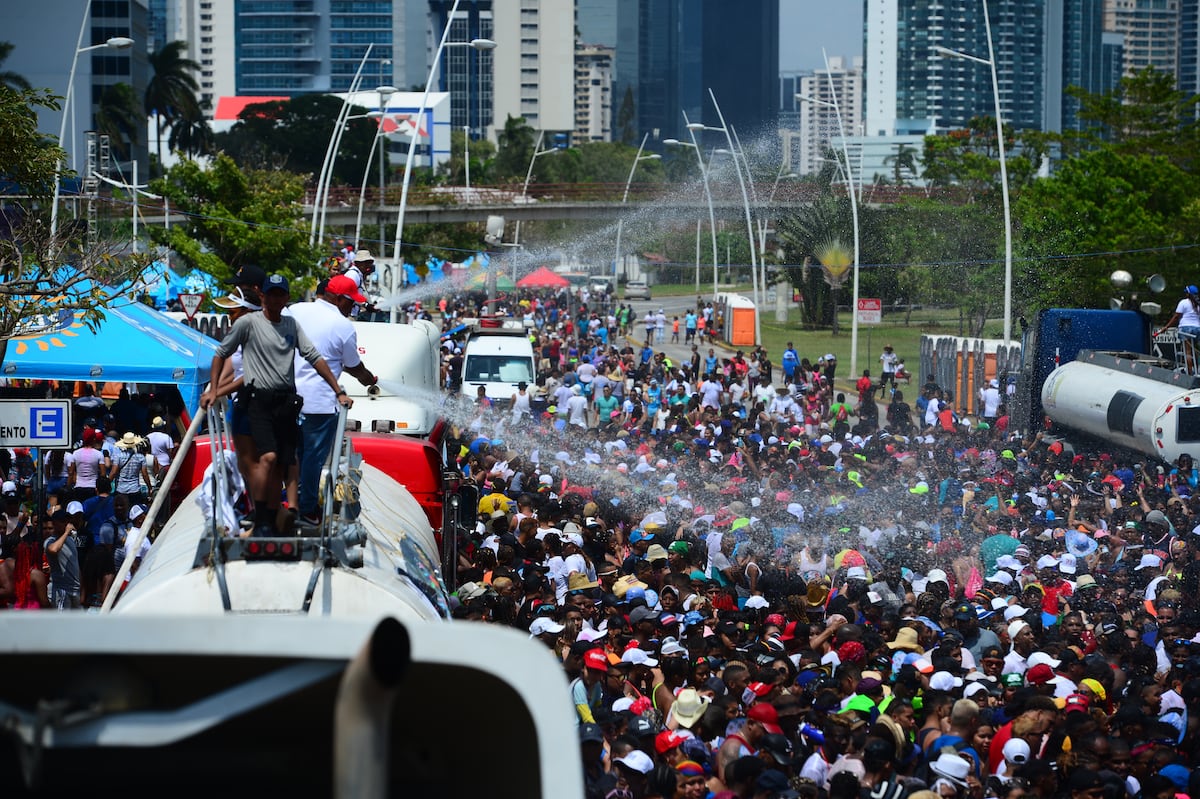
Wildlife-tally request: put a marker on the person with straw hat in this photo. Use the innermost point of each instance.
(128, 471)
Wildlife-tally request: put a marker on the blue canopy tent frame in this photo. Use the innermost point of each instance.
(132, 344)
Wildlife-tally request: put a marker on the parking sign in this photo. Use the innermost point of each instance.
(35, 423)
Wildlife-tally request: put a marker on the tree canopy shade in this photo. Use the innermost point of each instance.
(9, 78)
(237, 217)
(294, 135)
(1124, 210)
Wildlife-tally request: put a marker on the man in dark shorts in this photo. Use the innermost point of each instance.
(269, 340)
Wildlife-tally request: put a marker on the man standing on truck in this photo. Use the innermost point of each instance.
(325, 322)
(269, 342)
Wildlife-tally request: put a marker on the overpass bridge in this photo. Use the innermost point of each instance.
(595, 202)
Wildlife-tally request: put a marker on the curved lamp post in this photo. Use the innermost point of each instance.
(385, 94)
(317, 226)
(115, 43)
(724, 128)
(990, 62)
(397, 249)
(624, 197)
(854, 213)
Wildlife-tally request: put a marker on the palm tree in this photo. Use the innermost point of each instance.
(119, 115)
(171, 93)
(905, 158)
(192, 136)
(7, 77)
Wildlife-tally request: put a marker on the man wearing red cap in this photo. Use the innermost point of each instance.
(325, 321)
(761, 719)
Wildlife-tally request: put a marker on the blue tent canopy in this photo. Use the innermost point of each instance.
(133, 344)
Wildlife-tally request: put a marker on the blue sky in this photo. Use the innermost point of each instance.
(805, 26)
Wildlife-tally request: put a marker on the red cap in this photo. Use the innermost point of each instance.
(1039, 674)
(760, 689)
(667, 740)
(765, 714)
(1077, 702)
(345, 287)
(596, 659)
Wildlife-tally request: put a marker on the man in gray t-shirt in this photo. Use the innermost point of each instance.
(269, 342)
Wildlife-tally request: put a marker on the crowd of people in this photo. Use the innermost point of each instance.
(760, 589)
(756, 586)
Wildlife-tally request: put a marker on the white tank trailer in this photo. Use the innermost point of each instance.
(1131, 400)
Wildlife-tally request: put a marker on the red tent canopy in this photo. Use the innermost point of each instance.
(543, 278)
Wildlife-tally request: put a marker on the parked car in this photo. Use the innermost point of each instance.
(637, 290)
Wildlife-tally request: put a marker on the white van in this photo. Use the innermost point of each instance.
(497, 359)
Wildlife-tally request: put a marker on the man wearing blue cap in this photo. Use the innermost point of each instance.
(269, 341)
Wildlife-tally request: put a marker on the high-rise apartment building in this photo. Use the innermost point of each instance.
(466, 73)
(534, 63)
(1040, 46)
(819, 119)
(593, 93)
(1152, 31)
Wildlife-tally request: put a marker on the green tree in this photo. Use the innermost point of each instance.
(120, 116)
(192, 137)
(970, 158)
(482, 152)
(9, 78)
(44, 280)
(514, 148)
(236, 217)
(171, 93)
(803, 236)
(1124, 209)
(1145, 115)
(904, 160)
(293, 135)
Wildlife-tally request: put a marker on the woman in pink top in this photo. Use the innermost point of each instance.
(87, 465)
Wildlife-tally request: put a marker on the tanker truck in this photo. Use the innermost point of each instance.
(317, 663)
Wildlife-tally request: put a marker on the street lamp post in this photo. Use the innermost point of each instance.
(724, 128)
(397, 249)
(537, 152)
(385, 95)
(712, 219)
(853, 212)
(135, 189)
(1008, 245)
(317, 225)
(625, 197)
(115, 43)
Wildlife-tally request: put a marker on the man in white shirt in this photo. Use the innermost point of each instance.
(710, 393)
(577, 408)
(989, 396)
(325, 322)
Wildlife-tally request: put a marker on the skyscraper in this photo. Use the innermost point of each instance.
(819, 121)
(466, 73)
(43, 54)
(534, 61)
(1041, 47)
(669, 53)
(593, 93)
(1152, 32)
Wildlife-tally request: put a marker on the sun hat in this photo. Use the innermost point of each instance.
(130, 440)
(689, 707)
(235, 299)
(953, 767)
